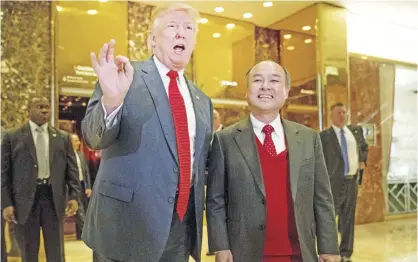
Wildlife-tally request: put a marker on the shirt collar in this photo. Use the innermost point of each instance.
(34, 126)
(338, 130)
(162, 69)
(276, 124)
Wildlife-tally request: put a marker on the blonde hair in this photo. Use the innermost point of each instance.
(160, 11)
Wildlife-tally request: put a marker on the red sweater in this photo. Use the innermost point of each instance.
(281, 237)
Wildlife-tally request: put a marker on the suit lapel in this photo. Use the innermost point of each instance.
(198, 106)
(335, 140)
(294, 148)
(53, 140)
(28, 139)
(159, 96)
(245, 140)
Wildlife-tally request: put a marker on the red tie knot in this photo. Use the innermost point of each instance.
(173, 74)
(268, 129)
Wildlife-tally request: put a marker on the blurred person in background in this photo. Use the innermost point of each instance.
(85, 183)
(38, 165)
(345, 151)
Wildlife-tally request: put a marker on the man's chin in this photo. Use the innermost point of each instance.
(180, 62)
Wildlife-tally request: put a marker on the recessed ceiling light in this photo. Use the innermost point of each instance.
(92, 12)
(247, 15)
(267, 4)
(306, 28)
(216, 35)
(59, 8)
(291, 48)
(219, 9)
(203, 20)
(307, 41)
(287, 36)
(230, 25)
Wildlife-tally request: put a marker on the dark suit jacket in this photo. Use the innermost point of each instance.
(235, 204)
(334, 158)
(130, 212)
(19, 171)
(85, 169)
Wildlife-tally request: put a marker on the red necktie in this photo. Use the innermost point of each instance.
(268, 141)
(178, 110)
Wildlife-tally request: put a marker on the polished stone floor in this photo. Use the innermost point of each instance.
(390, 241)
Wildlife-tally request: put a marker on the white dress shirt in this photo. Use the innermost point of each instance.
(277, 136)
(80, 170)
(353, 159)
(184, 90)
(35, 135)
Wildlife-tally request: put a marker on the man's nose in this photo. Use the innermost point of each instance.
(265, 86)
(180, 33)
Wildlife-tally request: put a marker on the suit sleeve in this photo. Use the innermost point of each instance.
(326, 228)
(215, 199)
(6, 172)
(73, 183)
(364, 147)
(96, 133)
(210, 146)
(323, 136)
(87, 176)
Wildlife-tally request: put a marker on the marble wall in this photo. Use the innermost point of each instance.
(26, 66)
(267, 44)
(365, 108)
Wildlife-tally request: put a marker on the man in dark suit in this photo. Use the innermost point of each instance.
(154, 129)
(38, 164)
(268, 193)
(85, 182)
(345, 151)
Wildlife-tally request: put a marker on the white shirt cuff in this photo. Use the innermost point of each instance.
(110, 119)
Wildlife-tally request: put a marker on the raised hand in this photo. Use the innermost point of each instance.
(115, 75)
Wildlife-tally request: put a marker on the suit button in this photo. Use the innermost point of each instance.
(263, 201)
(175, 169)
(262, 227)
(35, 166)
(170, 200)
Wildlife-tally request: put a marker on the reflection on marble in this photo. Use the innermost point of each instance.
(365, 107)
(26, 66)
(391, 241)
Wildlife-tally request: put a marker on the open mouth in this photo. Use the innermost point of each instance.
(266, 97)
(179, 48)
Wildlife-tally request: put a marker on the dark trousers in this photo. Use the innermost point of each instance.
(81, 212)
(181, 240)
(43, 215)
(345, 208)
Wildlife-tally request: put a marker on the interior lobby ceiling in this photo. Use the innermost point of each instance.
(401, 12)
(261, 16)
